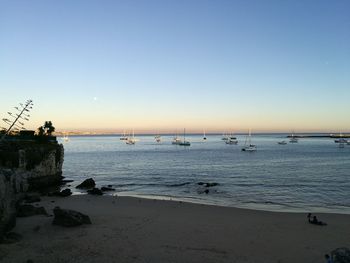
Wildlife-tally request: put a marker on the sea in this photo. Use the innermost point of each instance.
(312, 175)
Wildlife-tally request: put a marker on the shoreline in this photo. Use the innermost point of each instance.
(132, 229)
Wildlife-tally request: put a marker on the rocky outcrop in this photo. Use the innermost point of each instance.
(25, 166)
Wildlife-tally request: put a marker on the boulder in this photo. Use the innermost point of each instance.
(29, 210)
(95, 191)
(66, 192)
(69, 218)
(341, 255)
(88, 183)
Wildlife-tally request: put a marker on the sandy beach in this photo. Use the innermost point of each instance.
(128, 229)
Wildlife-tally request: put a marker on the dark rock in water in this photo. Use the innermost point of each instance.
(341, 255)
(211, 184)
(32, 198)
(206, 191)
(88, 183)
(95, 191)
(105, 189)
(200, 183)
(11, 237)
(69, 218)
(29, 210)
(110, 185)
(66, 192)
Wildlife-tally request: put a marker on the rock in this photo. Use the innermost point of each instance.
(200, 183)
(88, 183)
(95, 191)
(11, 237)
(206, 191)
(66, 192)
(341, 255)
(69, 218)
(110, 185)
(29, 210)
(105, 189)
(65, 181)
(32, 198)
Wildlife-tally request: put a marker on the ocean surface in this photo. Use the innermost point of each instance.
(311, 175)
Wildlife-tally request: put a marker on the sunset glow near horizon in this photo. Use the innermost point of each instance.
(272, 66)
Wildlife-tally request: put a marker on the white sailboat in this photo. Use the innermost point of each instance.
(176, 140)
(293, 139)
(282, 142)
(158, 138)
(224, 137)
(184, 142)
(248, 146)
(65, 138)
(131, 140)
(341, 139)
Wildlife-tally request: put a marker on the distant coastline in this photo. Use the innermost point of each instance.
(287, 135)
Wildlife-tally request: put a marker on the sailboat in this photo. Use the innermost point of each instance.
(341, 139)
(204, 137)
(184, 142)
(225, 137)
(248, 146)
(123, 137)
(293, 139)
(176, 140)
(131, 140)
(158, 138)
(231, 139)
(65, 138)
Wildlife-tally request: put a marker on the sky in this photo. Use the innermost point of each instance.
(272, 66)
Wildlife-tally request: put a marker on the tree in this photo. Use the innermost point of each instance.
(48, 127)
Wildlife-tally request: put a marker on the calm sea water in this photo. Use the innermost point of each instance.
(312, 175)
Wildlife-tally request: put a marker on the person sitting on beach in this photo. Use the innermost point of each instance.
(315, 221)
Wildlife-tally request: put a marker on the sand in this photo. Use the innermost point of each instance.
(127, 229)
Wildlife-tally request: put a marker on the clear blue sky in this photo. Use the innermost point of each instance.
(161, 65)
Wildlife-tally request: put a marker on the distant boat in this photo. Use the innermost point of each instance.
(184, 142)
(293, 139)
(340, 139)
(158, 138)
(248, 146)
(65, 138)
(282, 142)
(225, 137)
(131, 140)
(123, 137)
(231, 139)
(176, 140)
(204, 137)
